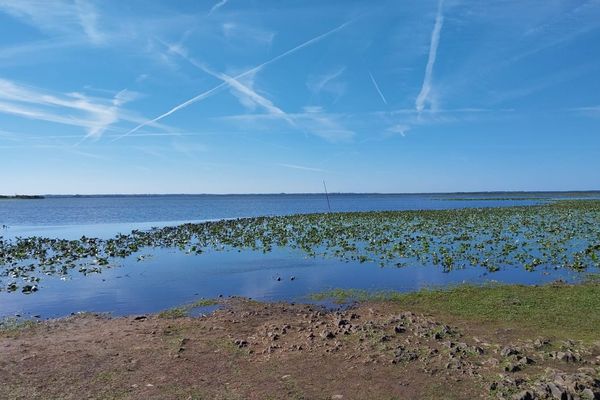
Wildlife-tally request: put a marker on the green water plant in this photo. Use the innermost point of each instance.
(562, 234)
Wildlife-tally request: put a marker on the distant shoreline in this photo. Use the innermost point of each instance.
(508, 195)
(22, 197)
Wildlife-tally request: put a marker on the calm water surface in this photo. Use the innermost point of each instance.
(169, 277)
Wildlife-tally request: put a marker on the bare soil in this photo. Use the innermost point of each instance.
(251, 350)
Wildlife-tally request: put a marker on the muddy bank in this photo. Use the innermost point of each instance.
(250, 350)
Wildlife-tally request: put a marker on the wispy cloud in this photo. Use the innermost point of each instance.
(95, 115)
(398, 129)
(57, 16)
(328, 82)
(424, 94)
(377, 88)
(317, 83)
(244, 34)
(222, 85)
(314, 121)
(88, 18)
(218, 5)
(301, 167)
(590, 111)
(249, 95)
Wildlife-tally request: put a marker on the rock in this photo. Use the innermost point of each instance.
(566, 356)
(512, 367)
(403, 354)
(524, 395)
(241, 343)
(327, 334)
(524, 360)
(140, 318)
(587, 394)
(342, 322)
(454, 364)
(399, 329)
(509, 351)
(556, 391)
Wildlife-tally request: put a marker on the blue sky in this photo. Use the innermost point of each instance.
(238, 96)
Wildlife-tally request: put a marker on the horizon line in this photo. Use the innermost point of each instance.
(301, 193)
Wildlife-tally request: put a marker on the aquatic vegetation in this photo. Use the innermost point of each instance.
(184, 310)
(563, 234)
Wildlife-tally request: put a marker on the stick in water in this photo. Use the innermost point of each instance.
(327, 196)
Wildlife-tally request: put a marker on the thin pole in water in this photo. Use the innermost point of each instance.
(327, 196)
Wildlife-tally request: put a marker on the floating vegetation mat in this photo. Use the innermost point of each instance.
(564, 234)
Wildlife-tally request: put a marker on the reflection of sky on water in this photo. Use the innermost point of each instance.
(170, 278)
(72, 232)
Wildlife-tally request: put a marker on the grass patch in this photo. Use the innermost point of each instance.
(556, 310)
(182, 311)
(12, 325)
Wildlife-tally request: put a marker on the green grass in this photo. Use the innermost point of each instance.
(554, 310)
(11, 325)
(182, 311)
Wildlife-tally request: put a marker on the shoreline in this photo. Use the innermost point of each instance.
(500, 341)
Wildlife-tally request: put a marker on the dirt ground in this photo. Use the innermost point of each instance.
(250, 350)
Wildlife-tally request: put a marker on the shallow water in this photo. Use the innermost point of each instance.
(129, 211)
(170, 277)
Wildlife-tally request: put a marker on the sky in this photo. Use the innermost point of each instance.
(272, 96)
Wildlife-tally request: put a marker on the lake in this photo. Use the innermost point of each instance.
(168, 277)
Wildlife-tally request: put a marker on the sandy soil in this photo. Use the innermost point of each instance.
(249, 350)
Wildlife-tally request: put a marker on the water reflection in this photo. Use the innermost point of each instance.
(170, 278)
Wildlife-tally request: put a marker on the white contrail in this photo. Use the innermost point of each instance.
(301, 167)
(241, 88)
(210, 92)
(377, 88)
(217, 6)
(435, 40)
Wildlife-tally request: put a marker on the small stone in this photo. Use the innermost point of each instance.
(566, 356)
(524, 395)
(508, 351)
(524, 360)
(538, 343)
(588, 394)
(342, 322)
(555, 391)
(327, 334)
(512, 367)
(399, 329)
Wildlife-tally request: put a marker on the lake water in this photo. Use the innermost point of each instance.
(169, 277)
